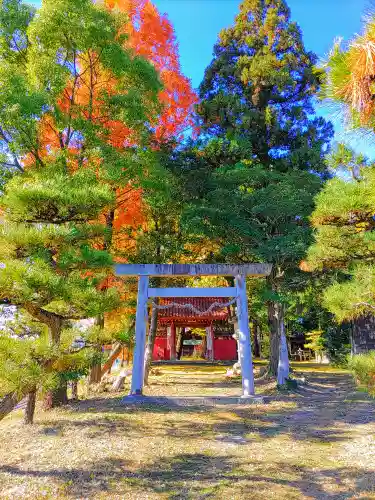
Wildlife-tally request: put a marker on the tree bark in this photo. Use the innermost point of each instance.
(274, 338)
(56, 397)
(119, 383)
(95, 374)
(256, 339)
(151, 341)
(109, 220)
(96, 369)
(204, 347)
(75, 390)
(9, 402)
(283, 364)
(116, 350)
(53, 321)
(260, 339)
(30, 407)
(179, 342)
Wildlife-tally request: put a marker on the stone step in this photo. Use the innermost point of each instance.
(180, 401)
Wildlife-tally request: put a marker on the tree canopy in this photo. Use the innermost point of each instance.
(262, 149)
(344, 222)
(344, 214)
(72, 87)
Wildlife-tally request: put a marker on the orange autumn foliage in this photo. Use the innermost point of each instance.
(151, 35)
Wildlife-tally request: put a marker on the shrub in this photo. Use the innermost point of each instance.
(363, 368)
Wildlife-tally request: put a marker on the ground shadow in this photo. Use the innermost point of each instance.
(313, 414)
(188, 476)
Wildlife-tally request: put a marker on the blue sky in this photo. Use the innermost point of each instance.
(198, 22)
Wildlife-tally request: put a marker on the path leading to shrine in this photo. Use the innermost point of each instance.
(317, 443)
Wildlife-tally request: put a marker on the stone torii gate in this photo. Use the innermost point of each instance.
(238, 292)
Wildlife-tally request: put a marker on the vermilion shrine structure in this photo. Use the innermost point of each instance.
(175, 319)
(237, 294)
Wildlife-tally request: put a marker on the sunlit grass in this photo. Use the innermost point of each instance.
(313, 444)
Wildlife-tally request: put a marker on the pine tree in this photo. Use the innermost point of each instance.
(259, 88)
(30, 363)
(53, 253)
(257, 107)
(344, 238)
(350, 72)
(344, 214)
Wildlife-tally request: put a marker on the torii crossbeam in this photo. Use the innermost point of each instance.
(239, 272)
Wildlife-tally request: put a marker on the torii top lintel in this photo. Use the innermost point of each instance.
(256, 270)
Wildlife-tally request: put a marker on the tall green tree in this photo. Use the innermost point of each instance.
(264, 153)
(259, 88)
(53, 254)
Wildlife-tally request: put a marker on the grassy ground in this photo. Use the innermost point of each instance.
(316, 443)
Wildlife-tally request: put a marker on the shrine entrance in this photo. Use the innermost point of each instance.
(195, 328)
(232, 295)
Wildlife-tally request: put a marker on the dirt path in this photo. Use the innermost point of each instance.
(317, 443)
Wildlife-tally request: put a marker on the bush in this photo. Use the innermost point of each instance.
(363, 368)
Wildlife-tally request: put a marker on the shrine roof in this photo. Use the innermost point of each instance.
(200, 310)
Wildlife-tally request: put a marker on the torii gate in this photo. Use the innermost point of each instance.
(238, 292)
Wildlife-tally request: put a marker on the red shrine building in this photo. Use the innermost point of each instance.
(175, 338)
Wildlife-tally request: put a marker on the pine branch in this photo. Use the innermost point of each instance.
(364, 304)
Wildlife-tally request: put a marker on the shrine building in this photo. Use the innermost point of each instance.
(176, 338)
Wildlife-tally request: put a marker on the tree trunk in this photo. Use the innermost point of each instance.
(274, 338)
(204, 347)
(119, 383)
(179, 343)
(151, 341)
(256, 339)
(55, 324)
(283, 364)
(8, 403)
(114, 354)
(96, 369)
(95, 374)
(56, 397)
(30, 407)
(260, 340)
(75, 390)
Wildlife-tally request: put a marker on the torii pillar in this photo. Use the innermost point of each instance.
(244, 339)
(210, 342)
(172, 342)
(141, 323)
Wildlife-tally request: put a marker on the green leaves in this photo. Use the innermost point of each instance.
(26, 281)
(59, 32)
(261, 212)
(363, 368)
(53, 197)
(259, 86)
(344, 219)
(22, 363)
(354, 298)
